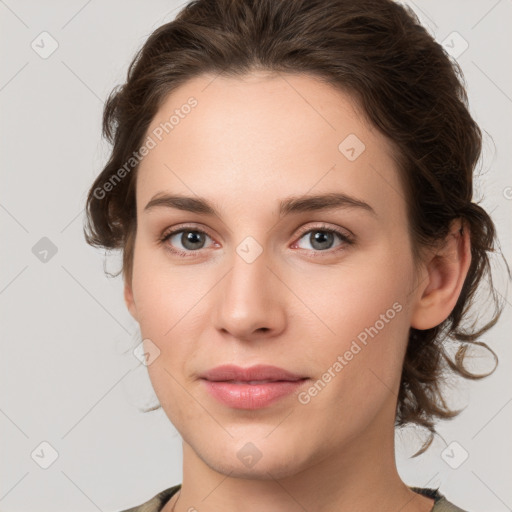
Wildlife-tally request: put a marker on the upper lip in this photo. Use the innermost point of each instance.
(257, 372)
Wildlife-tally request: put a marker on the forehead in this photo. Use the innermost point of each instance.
(265, 136)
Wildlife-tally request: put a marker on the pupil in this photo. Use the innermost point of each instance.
(322, 237)
(192, 238)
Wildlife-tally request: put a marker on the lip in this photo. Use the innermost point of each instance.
(235, 386)
(257, 372)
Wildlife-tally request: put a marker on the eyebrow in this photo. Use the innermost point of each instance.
(290, 205)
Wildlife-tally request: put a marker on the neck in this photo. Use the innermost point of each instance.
(361, 476)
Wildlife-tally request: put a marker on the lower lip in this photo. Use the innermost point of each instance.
(251, 396)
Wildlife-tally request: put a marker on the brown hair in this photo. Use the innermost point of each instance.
(409, 89)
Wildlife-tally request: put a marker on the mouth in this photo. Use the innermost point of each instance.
(251, 394)
(250, 388)
(258, 373)
(254, 382)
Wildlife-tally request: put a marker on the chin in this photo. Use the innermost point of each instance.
(271, 470)
(254, 460)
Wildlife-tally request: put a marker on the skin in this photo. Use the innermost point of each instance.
(249, 143)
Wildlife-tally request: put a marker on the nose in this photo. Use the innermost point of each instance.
(251, 299)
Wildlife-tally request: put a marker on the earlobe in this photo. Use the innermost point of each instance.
(129, 301)
(446, 269)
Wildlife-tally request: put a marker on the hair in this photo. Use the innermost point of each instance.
(407, 86)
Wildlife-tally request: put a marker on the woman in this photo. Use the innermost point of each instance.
(291, 186)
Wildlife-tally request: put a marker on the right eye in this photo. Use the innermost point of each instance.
(191, 240)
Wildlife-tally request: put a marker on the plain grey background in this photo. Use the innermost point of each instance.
(68, 376)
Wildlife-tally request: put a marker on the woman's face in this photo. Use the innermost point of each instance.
(256, 286)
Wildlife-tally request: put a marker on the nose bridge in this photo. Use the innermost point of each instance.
(249, 279)
(249, 297)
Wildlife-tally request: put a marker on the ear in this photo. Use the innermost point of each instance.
(446, 271)
(129, 300)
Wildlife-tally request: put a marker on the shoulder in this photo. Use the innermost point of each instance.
(441, 504)
(157, 502)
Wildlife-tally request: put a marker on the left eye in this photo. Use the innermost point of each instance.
(193, 240)
(321, 239)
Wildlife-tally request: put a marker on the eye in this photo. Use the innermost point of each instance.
(321, 238)
(192, 240)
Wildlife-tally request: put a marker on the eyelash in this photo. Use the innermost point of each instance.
(346, 239)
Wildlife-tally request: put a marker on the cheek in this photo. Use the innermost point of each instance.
(355, 295)
(358, 368)
(159, 291)
(366, 308)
